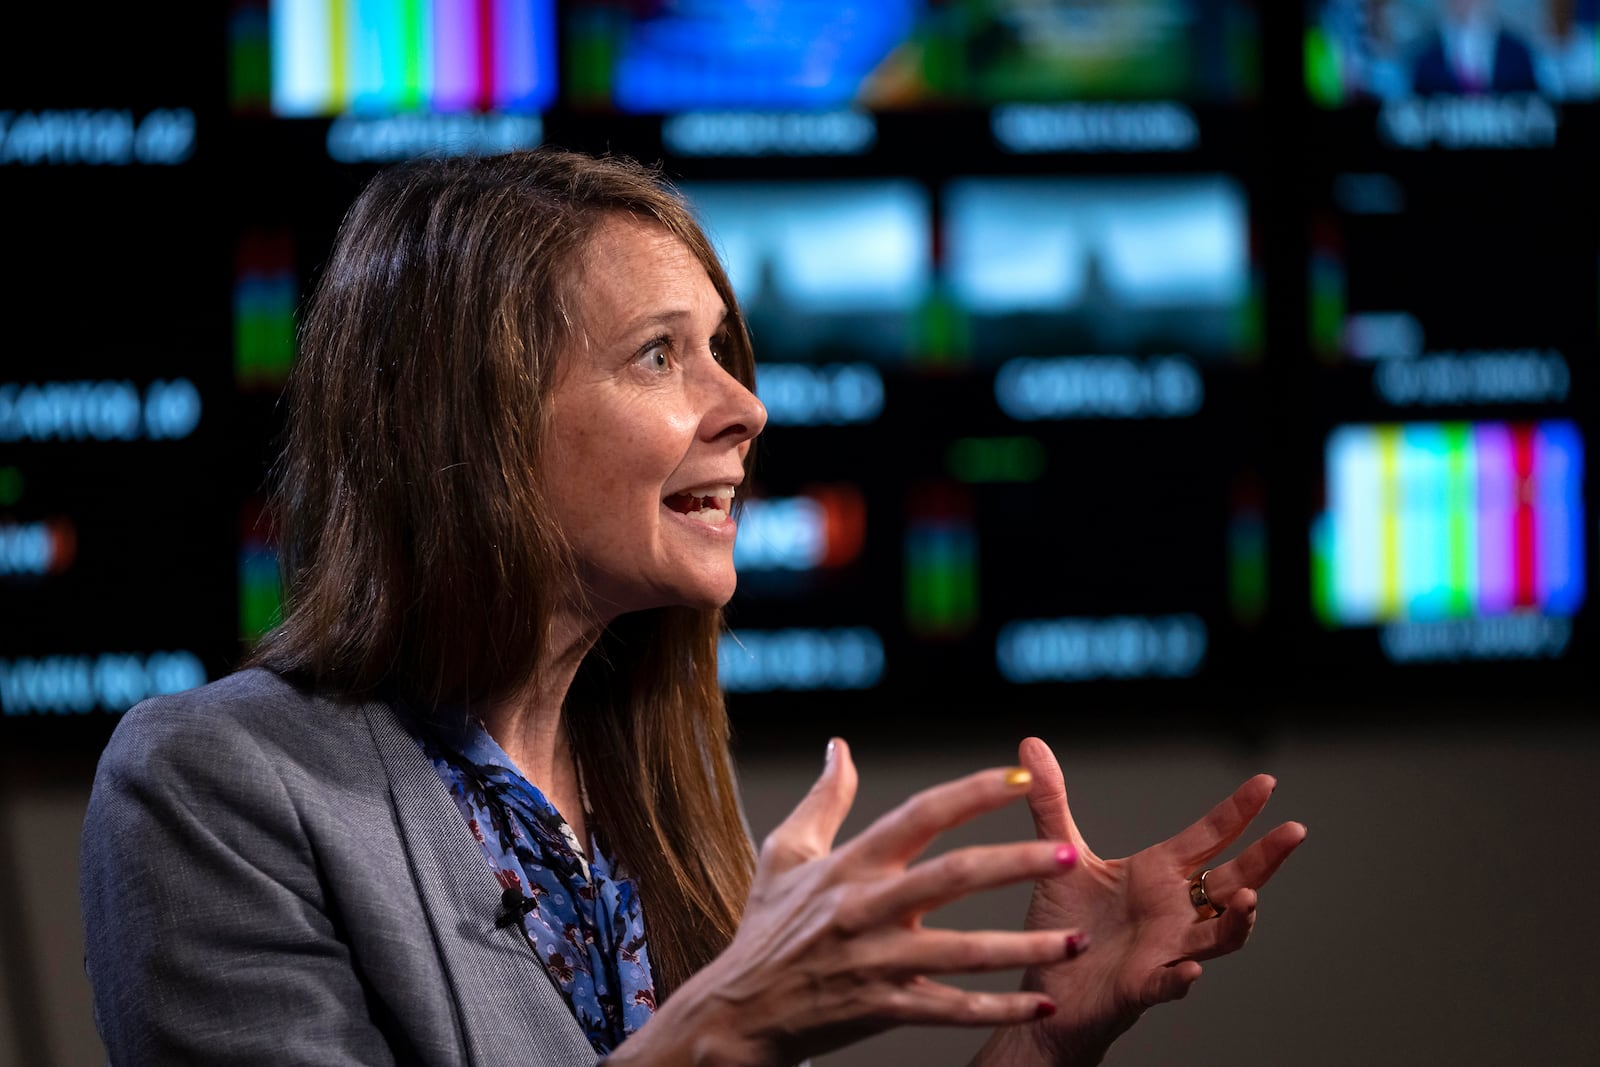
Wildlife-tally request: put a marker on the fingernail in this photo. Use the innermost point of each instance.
(1044, 1010)
(1018, 776)
(827, 756)
(1066, 855)
(1076, 944)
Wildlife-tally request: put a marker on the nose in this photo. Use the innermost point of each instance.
(735, 414)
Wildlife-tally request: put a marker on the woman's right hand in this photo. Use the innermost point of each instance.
(832, 947)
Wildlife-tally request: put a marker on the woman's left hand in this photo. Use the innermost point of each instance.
(1145, 938)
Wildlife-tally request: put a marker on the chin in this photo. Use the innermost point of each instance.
(709, 591)
(708, 599)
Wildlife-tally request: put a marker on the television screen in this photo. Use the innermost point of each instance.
(1430, 521)
(1454, 540)
(1126, 264)
(902, 54)
(825, 269)
(329, 57)
(1408, 272)
(1358, 51)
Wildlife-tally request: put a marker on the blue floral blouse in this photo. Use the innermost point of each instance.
(582, 917)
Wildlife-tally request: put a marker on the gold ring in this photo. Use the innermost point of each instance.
(1197, 896)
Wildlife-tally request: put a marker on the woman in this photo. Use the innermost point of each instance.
(472, 802)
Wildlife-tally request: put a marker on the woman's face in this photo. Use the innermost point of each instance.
(648, 431)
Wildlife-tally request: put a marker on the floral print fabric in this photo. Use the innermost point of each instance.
(582, 918)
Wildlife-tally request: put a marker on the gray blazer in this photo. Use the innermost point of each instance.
(274, 878)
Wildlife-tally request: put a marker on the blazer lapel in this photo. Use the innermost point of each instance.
(509, 1009)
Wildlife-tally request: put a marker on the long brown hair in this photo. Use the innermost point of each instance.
(418, 555)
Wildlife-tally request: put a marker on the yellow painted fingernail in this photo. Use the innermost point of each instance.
(1018, 776)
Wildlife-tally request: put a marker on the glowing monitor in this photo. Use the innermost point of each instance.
(1071, 265)
(1002, 50)
(743, 54)
(1434, 521)
(376, 57)
(896, 54)
(824, 527)
(265, 292)
(821, 246)
(823, 267)
(1361, 51)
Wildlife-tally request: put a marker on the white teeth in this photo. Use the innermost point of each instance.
(710, 504)
(720, 492)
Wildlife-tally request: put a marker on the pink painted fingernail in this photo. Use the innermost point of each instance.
(1044, 1010)
(1066, 855)
(1076, 944)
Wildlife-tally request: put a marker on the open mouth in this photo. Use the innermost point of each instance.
(709, 505)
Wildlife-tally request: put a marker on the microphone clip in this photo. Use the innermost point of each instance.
(513, 906)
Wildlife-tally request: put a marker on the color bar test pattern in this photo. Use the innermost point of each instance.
(387, 56)
(1431, 521)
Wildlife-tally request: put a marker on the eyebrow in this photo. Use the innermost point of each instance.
(665, 318)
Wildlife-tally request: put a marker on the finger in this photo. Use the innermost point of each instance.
(809, 830)
(929, 1003)
(922, 951)
(961, 872)
(1222, 825)
(1254, 866)
(1047, 800)
(1171, 982)
(904, 832)
(1207, 939)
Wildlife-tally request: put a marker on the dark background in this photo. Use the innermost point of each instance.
(129, 273)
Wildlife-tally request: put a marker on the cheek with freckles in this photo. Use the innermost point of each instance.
(610, 467)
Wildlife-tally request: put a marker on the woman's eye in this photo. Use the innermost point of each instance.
(720, 351)
(656, 356)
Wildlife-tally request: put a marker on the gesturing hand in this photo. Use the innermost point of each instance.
(1146, 937)
(832, 946)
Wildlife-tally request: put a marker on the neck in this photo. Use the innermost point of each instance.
(528, 724)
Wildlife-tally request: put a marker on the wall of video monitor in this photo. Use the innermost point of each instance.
(1119, 354)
